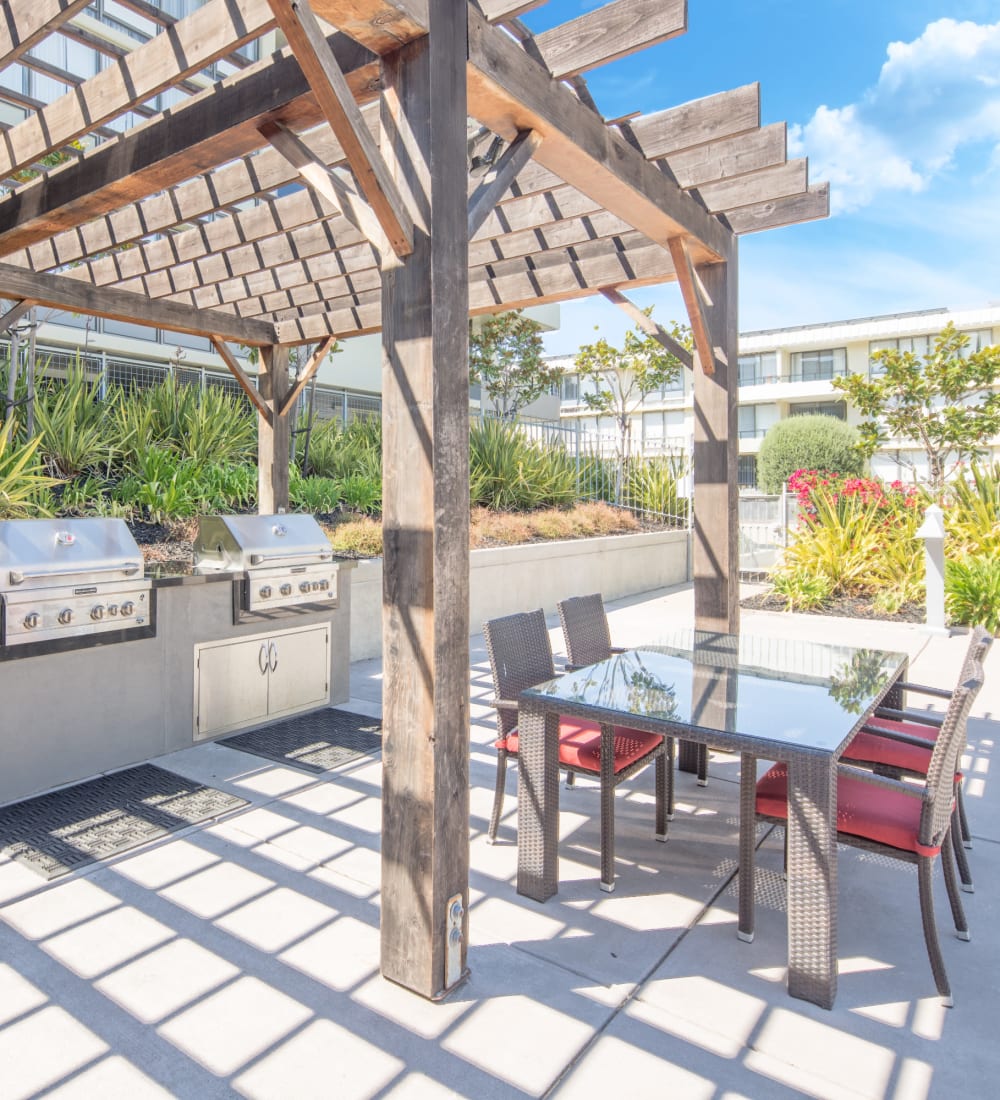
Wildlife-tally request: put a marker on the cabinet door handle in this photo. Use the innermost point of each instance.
(262, 659)
(273, 663)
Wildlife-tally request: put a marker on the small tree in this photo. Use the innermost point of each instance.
(944, 401)
(807, 443)
(505, 357)
(622, 377)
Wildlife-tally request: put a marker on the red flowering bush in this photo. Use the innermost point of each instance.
(845, 492)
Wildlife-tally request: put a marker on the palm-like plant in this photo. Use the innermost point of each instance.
(24, 483)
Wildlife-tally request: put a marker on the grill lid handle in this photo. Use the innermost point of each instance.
(287, 555)
(19, 576)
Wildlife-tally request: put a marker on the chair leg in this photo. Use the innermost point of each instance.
(954, 897)
(925, 877)
(964, 871)
(491, 834)
(748, 839)
(607, 810)
(960, 800)
(670, 778)
(703, 765)
(570, 779)
(662, 764)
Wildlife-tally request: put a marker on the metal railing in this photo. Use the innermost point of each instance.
(765, 523)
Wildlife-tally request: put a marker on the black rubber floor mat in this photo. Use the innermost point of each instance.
(56, 833)
(314, 742)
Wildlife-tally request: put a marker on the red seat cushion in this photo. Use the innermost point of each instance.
(869, 748)
(887, 817)
(580, 745)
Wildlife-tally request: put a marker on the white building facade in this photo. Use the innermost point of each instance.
(782, 373)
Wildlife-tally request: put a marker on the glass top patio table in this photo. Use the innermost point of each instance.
(799, 702)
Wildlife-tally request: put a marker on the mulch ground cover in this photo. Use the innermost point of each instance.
(852, 607)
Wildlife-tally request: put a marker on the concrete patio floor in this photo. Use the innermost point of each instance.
(241, 957)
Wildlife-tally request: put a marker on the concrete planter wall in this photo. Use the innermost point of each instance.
(519, 578)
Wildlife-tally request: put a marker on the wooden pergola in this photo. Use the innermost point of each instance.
(324, 192)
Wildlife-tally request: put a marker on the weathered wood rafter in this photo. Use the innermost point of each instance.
(246, 385)
(336, 100)
(25, 23)
(306, 374)
(489, 192)
(646, 323)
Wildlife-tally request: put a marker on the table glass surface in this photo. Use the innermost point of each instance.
(802, 694)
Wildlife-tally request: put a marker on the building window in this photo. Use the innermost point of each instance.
(817, 366)
(921, 346)
(746, 471)
(747, 421)
(836, 409)
(571, 389)
(755, 370)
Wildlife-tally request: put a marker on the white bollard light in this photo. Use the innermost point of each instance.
(932, 532)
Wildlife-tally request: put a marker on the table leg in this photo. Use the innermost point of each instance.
(812, 880)
(748, 846)
(537, 803)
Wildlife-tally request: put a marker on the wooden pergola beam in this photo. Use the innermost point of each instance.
(58, 292)
(646, 323)
(608, 33)
(25, 23)
(336, 100)
(215, 127)
(333, 186)
(809, 206)
(306, 374)
(246, 385)
(490, 191)
(694, 295)
(207, 34)
(509, 91)
(15, 313)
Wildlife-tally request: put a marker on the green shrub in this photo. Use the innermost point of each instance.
(85, 496)
(802, 589)
(973, 515)
(361, 493)
(507, 470)
(361, 537)
(317, 495)
(73, 426)
(807, 443)
(24, 485)
(163, 487)
(972, 591)
(653, 486)
(339, 452)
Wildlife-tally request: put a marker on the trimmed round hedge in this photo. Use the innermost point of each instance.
(807, 443)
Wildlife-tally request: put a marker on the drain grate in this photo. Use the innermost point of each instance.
(56, 833)
(314, 742)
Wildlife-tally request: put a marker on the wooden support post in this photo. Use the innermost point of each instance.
(425, 517)
(716, 444)
(273, 436)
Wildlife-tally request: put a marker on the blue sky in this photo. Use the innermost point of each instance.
(895, 102)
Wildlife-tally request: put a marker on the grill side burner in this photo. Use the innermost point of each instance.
(72, 582)
(286, 562)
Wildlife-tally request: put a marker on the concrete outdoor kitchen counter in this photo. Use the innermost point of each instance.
(67, 716)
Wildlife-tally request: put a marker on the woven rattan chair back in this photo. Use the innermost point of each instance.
(585, 629)
(520, 657)
(951, 740)
(980, 641)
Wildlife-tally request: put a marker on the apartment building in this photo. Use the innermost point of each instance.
(783, 372)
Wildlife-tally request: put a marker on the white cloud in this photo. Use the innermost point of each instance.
(935, 97)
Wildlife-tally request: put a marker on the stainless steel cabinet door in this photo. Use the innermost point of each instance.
(299, 663)
(231, 685)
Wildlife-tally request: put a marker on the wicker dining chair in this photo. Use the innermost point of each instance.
(902, 820)
(521, 657)
(900, 743)
(587, 638)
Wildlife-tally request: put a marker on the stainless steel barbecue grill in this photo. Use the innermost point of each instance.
(285, 561)
(69, 580)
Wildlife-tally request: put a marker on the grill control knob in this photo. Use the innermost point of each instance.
(32, 619)
(112, 609)
(127, 608)
(303, 586)
(97, 613)
(265, 591)
(286, 590)
(324, 585)
(65, 616)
